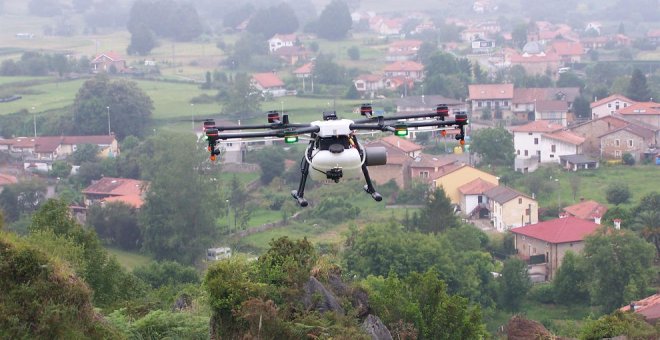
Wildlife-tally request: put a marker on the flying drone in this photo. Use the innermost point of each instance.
(334, 151)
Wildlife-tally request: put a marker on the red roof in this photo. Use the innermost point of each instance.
(112, 56)
(653, 33)
(305, 69)
(560, 230)
(567, 48)
(586, 210)
(7, 179)
(268, 80)
(116, 187)
(405, 44)
(648, 307)
(565, 136)
(490, 91)
(476, 187)
(611, 99)
(135, 201)
(402, 144)
(643, 108)
(534, 58)
(409, 66)
(537, 126)
(285, 37)
(370, 78)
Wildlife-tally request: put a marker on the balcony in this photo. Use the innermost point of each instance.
(530, 163)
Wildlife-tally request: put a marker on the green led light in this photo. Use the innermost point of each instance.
(401, 131)
(290, 139)
(206, 137)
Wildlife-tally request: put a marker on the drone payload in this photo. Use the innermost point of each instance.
(334, 151)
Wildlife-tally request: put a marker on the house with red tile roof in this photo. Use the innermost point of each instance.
(473, 200)
(369, 84)
(408, 69)
(510, 208)
(291, 54)
(305, 72)
(402, 50)
(546, 243)
(396, 168)
(6, 179)
(559, 143)
(525, 99)
(494, 97)
(535, 63)
(50, 148)
(457, 175)
(645, 112)
(555, 111)
(409, 147)
(424, 166)
(569, 52)
(108, 62)
(589, 210)
(269, 84)
(527, 143)
(653, 36)
(608, 105)
(110, 189)
(648, 307)
(628, 139)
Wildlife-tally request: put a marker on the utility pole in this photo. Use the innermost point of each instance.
(108, 108)
(192, 116)
(34, 121)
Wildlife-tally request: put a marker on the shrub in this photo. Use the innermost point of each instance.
(628, 159)
(542, 293)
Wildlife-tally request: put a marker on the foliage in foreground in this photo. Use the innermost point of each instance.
(42, 298)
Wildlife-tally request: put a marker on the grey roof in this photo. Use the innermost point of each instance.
(533, 47)
(578, 159)
(502, 194)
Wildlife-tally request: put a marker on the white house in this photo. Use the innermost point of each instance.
(280, 40)
(527, 143)
(560, 143)
(607, 106)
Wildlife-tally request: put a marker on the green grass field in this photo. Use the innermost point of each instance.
(641, 180)
(129, 260)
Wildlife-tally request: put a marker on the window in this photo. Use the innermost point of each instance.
(617, 153)
(552, 156)
(536, 141)
(526, 153)
(527, 212)
(480, 199)
(519, 200)
(529, 133)
(617, 142)
(424, 174)
(505, 103)
(518, 152)
(478, 104)
(609, 104)
(630, 143)
(553, 148)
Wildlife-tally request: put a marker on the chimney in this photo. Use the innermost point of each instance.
(597, 219)
(617, 223)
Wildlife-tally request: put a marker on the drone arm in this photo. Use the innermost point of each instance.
(277, 133)
(397, 117)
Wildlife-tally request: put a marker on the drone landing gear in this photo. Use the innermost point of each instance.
(369, 187)
(299, 194)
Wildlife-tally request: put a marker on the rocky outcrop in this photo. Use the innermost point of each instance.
(375, 328)
(319, 298)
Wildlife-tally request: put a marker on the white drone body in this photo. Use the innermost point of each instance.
(348, 161)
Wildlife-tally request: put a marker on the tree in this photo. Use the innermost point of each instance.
(619, 266)
(638, 89)
(618, 324)
(157, 16)
(22, 198)
(582, 108)
(570, 79)
(178, 216)
(438, 213)
(166, 273)
(271, 162)
(243, 98)
(514, 283)
(353, 53)
(278, 19)
(85, 153)
(122, 101)
(334, 21)
(570, 283)
(628, 159)
(61, 169)
(494, 146)
(617, 193)
(647, 223)
(352, 92)
(116, 223)
(143, 40)
(519, 35)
